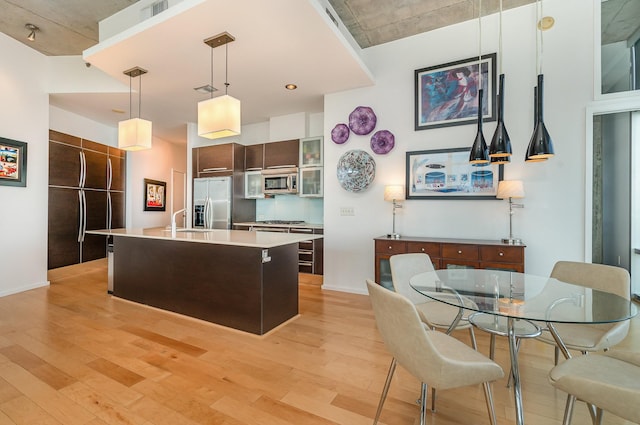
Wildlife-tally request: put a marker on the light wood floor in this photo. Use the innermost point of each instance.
(71, 354)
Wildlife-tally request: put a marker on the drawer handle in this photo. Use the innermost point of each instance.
(501, 253)
(459, 252)
(422, 249)
(389, 246)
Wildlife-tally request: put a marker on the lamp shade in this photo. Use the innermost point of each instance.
(510, 189)
(219, 117)
(134, 134)
(394, 192)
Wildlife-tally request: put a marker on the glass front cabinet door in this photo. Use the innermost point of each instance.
(253, 185)
(310, 182)
(311, 152)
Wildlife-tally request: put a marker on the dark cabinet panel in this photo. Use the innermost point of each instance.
(95, 246)
(118, 176)
(254, 157)
(64, 217)
(215, 158)
(64, 165)
(56, 136)
(117, 210)
(96, 170)
(281, 154)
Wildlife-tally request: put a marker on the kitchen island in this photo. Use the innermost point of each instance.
(244, 280)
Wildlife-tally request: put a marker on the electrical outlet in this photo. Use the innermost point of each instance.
(347, 211)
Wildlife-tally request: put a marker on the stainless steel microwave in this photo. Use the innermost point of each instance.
(279, 181)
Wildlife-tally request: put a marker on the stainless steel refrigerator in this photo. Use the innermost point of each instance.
(216, 205)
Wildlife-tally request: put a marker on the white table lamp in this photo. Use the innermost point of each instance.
(509, 189)
(394, 193)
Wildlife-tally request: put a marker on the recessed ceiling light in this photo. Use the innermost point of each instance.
(290, 86)
(117, 111)
(205, 89)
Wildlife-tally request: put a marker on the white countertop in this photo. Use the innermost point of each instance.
(213, 236)
(280, 225)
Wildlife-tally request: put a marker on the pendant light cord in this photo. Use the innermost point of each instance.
(211, 93)
(139, 96)
(226, 67)
(130, 103)
(480, 45)
(538, 38)
(500, 40)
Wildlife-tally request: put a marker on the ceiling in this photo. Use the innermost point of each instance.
(277, 42)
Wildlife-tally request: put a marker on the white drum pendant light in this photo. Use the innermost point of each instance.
(219, 116)
(134, 134)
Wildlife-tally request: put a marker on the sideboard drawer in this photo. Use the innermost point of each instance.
(467, 252)
(391, 247)
(505, 254)
(432, 249)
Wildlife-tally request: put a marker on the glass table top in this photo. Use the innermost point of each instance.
(523, 296)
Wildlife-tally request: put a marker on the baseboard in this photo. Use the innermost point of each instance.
(24, 288)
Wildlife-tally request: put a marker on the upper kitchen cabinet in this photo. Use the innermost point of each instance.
(311, 152)
(218, 160)
(254, 157)
(281, 154)
(65, 158)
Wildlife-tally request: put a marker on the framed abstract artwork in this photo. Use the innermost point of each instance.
(155, 195)
(447, 94)
(447, 174)
(13, 162)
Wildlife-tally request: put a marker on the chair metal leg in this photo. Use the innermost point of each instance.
(599, 414)
(489, 398)
(556, 355)
(423, 404)
(568, 410)
(518, 340)
(433, 400)
(473, 338)
(492, 346)
(385, 389)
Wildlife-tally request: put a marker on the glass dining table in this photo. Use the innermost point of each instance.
(516, 297)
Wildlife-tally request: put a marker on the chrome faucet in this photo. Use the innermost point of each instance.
(173, 222)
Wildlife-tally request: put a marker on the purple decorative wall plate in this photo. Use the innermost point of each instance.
(362, 120)
(382, 142)
(340, 133)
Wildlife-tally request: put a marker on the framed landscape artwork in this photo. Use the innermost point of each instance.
(447, 174)
(13, 162)
(155, 195)
(447, 94)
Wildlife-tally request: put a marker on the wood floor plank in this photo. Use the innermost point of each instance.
(72, 354)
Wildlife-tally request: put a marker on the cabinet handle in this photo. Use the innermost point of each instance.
(422, 249)
(275, 167)
(390, 248)
(253, 169)
(204, 170)
(501, 253)
(109, 173)
(459, 252)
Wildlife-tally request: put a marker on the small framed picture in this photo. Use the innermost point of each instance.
(155, 195)
(13, 162)
(447, 94)
(447, 174)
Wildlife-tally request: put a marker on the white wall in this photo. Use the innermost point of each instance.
(552, 222)
(24, 117)
(155, 164)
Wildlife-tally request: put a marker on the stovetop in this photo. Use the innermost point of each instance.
(281, 222)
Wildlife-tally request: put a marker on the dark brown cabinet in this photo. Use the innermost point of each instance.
(310, 253)
(281, 154)
(448, 253)
(218, 160)
(86, 192)
(254, 157)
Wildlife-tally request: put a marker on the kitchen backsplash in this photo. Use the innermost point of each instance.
(290, 207)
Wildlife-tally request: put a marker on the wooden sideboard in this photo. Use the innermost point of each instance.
(448, 253)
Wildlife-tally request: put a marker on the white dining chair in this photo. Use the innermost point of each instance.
(433, 357)
(592, 337)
